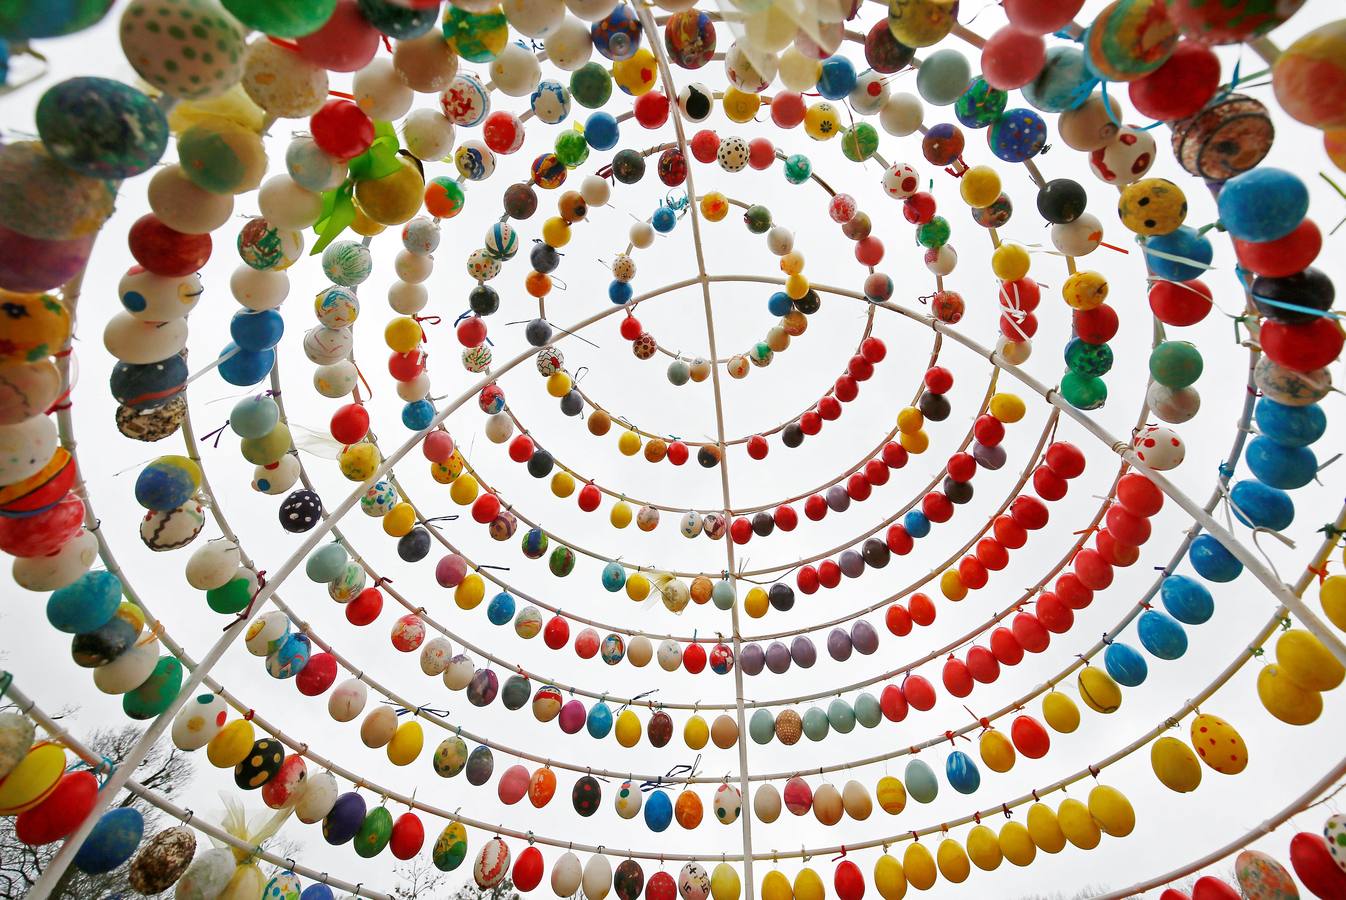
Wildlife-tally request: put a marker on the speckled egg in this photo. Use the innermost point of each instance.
(191, 49)
(450, 757)
(102, 128)
(162, 861)
(1262, 878)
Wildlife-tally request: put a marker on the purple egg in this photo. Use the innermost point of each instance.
(988, 457)
(480, 765)
(573, 716)
(838, 499)
(852, 564)
(803, 652)
(346, 817)
(451, 570)
(777, 658)
(839, 644)
(481, 690)
(864, 637)
(751, 659)
(29, 265)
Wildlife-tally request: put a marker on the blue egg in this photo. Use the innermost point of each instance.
(614, 576)
(1018, 135)
(1212, 561)
(344, 819)
(501, 608)
(99, 127)
(87, 605)
(326, 563)
(418, 414)
(1187, 599)
(917, 525)
(1160, 635)
(1125, 664)
(620, 292)
(112, 841)
(599, 721)
(1279, 465)
(254, 417)
(962, 772)
(658, 811)
(291, 658)
(1263, 204)
(1293, 426)
(601, 131)
(921, 782)
(779, 303)
(1063, 83)
(256, 330)
(1261, 506)
(1184, 243)
(836, 78)
(664, 219)
(166, 483)
(148, 386)
(245, 367)
(320, 891)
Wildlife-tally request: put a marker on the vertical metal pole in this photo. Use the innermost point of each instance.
(666, 76)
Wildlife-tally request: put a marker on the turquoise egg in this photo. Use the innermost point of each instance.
(722, 594)
(291, 658)
(326, 563)
(87, 604)
(816, 725)
(1186, 599)
(962, 772)
(254, 417)
(501, 608)
(1125, 664)
(111, 842)
(1292, 426)
(1258, 505)
(599, 721)
(1063, 83)
(102, 128)
(614, 576)
(1161, 635)
(920, 781)
(841, 716)
(1280, 466)
(658, 811)
(867, 710)
(762, 726)
(20, 21)
(1212, 561)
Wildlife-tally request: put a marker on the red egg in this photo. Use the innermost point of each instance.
(631, 327)
(64, 808)
(1208, 887)
(285, 785)
(787, 109)
(556, 633)
(961, 467)
(957, 679)
(1048, 485)
(849, 881)
(937, 507)
(829, 408)
(757, 447)
(972, 573)
(786, 518)
(320, 672)
(761, 153)
(1073, 592)
(846, 389)
(406, 366)
(1181, 86)
(1314, 865)
(1006, 647)
(898, 620)
(869, 251)
(1028, 512)
(1126, 526)
(919, 208)
(350, 423)
(163, 251)
(408, 836)
(1180, 303)
(485, 508)
(677, 453)
(992, 554)
(1139, 495)
(810, 422)
(1065, 459)
(1093, 571)
(876, 473)
(895, 456)
(1022, 294)
(873, 349)
(471, 331)
(807, 580)
(899, 540)
(1171, 894)
(1113, 551)
(1029, 737)
(1285, 256)
(1009, 532)
(694, 658)
(1015, 328)
(1041, 16)
(437, 446)
(345, 43)
(740, 530)
(893, 703)
(1302, 347)
(341, 129)
(798, 796)
(858, 488)
(651, 109)
(1097, 325)
(815, 507)
(829, 573)
(922, 609)
(589, 497)
(502, 131)
(661, 886)
(860, 368)
(1030, 634)
(1054, 615)
(919, 692)
(938, 380)
(586, 643)
(982, 664)
(365, 608)
(527, 873)
(521, 448)
(705, 145)
(44, 533)
(1011, 58)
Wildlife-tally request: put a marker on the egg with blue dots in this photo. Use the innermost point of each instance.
(156, 298)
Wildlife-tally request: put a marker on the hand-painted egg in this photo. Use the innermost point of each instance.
(408, 633)
(1126, 159)
(163, 860)
(628, 800)
(528, 622)
(547, 703)
(435, 656)
(286, 785)
(200, 55)
(316, 798)
(480, 765)
(1159, 447)
(172, 529)
(1218, 744)
(260, 765)
(541, 787)
(283, 886)
(727, 803)
(374, 833)
(348, 585)
(586, 795)
(199, 720)
(450, 847)
(102, 128)
(550, 102)
(291, 657)
(492, 865)
(1263, 878)
(348, 700)
(267, 633)
(156, 693)
(693, 882)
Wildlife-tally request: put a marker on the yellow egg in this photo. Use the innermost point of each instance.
(400, 519)
(775, 886)
(1060, 712)
(628, 728)
(1307, 662)
(919, 866)
(910, 420)
(1045, 829)
(562, 484)
(620, 516)
(996, 751)
(724, 883)
(1098, 691)
(132, 615)
(1016, 844)
(892, 796)
(1175, 765)
(756, 603)
(456, 463)
(1010, 262)
(1219, 745)
(1285, 699)
(402, 334)
(796, 286)
(637, 75)
(808, 885)
(983, 848)
(1008, 408)
(740, 106)
(559, 384)
(365, 226)
(1077, 825)
(359, 461)
(1332, 595)
(792, 263)
(1112, 811)
(629, 443)
(442, 473)
(1085, 290)
(637, 587)
(915, 443)
(979, 186)
(951, 585)
(232, 745)
(889, 879)
(394, 198)
(470, 591)
(34, 778)
(556, 232)
(822, 122)
(714, 206)
(406, 743)
(464, 489)
(695, 733)
(952, 860)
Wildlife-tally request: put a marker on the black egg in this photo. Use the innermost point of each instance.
(792, 435)
(1062, 200)
(934, 407)
(810, 303)
(1310, 288)
(414, 546)
(781, 596)
(708, 457)
(544, 258)
(483, 299)
(763, 524)
(628, 166)
(957, 491)
(260, 765)
(101, 646)
(540, 463)
(875, 553)
(300, 511)
(572, 404)
(538, 333)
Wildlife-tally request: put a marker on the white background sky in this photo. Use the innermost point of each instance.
(1171, 828)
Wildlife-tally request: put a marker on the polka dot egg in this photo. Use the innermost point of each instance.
(1159, 447)
(284, 886)
(191, 49)
(198, 721)
(1262, 878)
(901, 180)
(1335, 832)
(379, 500)
(260, 766)
(1219, 745)
(733, 154)
(300, 511)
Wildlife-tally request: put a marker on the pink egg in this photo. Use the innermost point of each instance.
(513, 785)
